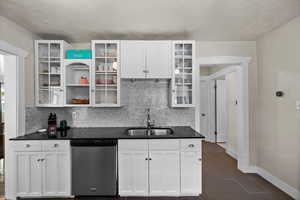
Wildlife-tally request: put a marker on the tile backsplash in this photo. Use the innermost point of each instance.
(136, 96)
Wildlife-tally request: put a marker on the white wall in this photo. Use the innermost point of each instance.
(246, 49)
(231, 90)
(24, 39)
(279, 122)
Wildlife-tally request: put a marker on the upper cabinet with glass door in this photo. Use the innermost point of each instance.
(183, 74)
(49, 56)
(106, 73)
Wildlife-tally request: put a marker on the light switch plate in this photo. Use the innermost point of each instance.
(298, 105)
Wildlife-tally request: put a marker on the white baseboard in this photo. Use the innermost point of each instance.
(293, 192)
(232, 154)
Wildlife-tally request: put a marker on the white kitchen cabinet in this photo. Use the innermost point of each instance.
(158, 59)
(43, 168)
(164, 173)
(133, 56)
(29, 174)
(106, 73)
(146, 59)
(56, 174)
(49, 57)
(191, 167)
(133, 173)
(183, 77)
(77, 79)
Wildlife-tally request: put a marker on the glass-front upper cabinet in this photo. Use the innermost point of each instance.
(106, 74)
(183, 74)
(49, 55)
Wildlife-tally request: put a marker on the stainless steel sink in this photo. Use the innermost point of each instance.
(137, 132)
(149, 132)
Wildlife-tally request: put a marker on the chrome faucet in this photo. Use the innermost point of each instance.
(150, 123)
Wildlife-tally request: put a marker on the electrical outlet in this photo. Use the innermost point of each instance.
(75, 116)
(298, 105)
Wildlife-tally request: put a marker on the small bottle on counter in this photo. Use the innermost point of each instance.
(52, 125)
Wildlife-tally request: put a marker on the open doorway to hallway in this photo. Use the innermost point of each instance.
(219, 106)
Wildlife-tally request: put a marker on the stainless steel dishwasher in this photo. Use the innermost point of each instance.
(94, 167)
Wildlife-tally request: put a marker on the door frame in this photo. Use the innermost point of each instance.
(242, 65)
(15, 109)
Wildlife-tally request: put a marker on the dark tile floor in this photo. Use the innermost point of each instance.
(223, 181)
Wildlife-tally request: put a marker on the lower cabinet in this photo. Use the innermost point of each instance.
(164, 173)
(159, 167)
(191, 169)
(133, 173)
(43, 170)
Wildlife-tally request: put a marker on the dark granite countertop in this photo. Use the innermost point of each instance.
(111, 133)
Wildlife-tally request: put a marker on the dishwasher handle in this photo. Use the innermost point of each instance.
(109, 142)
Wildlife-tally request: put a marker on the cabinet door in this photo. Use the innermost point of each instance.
(158, 59)
(49, 59)
(191, 173)
(133, 173)
(29, 174)
(164, 173)
(56, 174)
(133, 59)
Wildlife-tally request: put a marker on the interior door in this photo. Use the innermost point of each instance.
(164, 173)
(221, 105)
(133, 64)
(158, 59)
(133, 173)
(204, 97)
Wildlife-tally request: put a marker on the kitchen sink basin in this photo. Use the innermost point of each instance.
(149, 132)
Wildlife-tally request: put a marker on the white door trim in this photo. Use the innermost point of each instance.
(15, 109)
(242, 64)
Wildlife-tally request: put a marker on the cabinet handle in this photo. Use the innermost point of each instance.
(38, 160)
(27, 145)
(191, 145)
(146, 71)
(55, 145)
(146, 158)
(150, 158)
(42, 159)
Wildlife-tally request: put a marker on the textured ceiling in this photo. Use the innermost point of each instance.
(83, 20)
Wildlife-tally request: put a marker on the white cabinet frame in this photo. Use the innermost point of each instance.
(173, 91)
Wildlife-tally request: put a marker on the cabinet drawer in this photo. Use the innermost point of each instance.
(191, 145)
(27, 146)
(163, 144)
(131, 145)
(55, 145)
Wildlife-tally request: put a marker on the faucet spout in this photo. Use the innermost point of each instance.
(150, 123)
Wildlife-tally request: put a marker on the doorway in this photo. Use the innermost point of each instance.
(222, 99)
(220, 66)
(13, 60)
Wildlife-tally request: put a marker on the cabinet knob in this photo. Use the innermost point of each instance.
(146, 71)
(199, 159)
(38, 160)
(27, 145)
(55, 145)
(191, 145)
(150, 158)
(61, 90)
(42, 159)
(146, 158)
